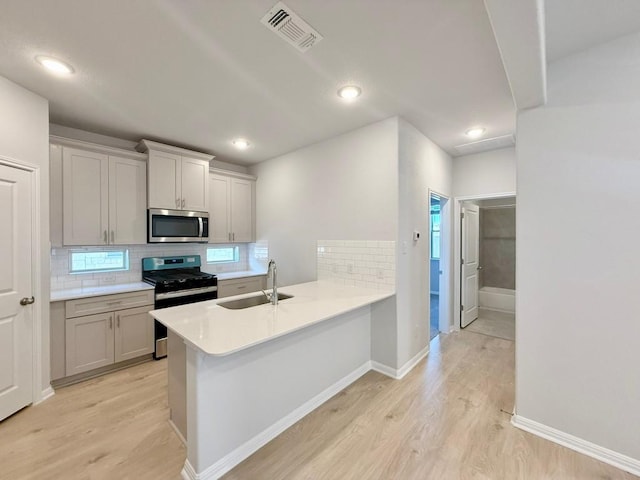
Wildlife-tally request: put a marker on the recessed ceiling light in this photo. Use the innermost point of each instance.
(349, 92)
(241, 143)
(54, 65)
(475, 132)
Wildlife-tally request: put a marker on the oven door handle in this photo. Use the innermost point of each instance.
(185, 293)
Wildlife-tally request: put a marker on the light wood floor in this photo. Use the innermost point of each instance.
(447, 419)
(494, 323)
(113, 427)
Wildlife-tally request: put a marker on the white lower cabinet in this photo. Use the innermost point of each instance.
(113, 329)
(238, 286)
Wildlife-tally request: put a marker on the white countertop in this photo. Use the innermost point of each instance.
(220, 331)
(84, 292)
(242, 274)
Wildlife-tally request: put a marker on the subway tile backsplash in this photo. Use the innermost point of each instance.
(359, 263)
(62, 279)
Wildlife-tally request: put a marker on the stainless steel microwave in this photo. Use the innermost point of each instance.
(177, 226)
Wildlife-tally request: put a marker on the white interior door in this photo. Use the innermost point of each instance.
(470, 264)
(16, 320)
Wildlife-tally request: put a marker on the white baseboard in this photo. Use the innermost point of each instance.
(232, 459)
(384, 369)
(46, 394)
(178, 432)
(402, 371)
(603, 454)
(407, 367)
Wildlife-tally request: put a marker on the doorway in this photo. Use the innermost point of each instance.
(434, 265)
(485, 281)
(439, 265)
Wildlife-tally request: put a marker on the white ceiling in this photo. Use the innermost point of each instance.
(576, 25)
(197, 73)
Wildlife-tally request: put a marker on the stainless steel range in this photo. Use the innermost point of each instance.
(177, 281)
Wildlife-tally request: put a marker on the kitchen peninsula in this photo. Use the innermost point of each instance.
(238, 378)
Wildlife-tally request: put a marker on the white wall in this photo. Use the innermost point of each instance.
(24, 138)
(578, 334)
(344, 188)
(486, 173)
(422, 166)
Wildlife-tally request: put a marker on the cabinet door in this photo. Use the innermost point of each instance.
(164, 180)
(219, 221)
(127, 201)
(89, 342)
(85, 197)
(134, 333)
(242, 210)
(195, 184)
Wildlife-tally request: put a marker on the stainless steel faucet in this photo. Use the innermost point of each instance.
(274, 279)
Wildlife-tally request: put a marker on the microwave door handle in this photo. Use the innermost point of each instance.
(201, 225)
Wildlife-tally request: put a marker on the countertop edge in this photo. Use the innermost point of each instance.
(97, 291)
(282, 334)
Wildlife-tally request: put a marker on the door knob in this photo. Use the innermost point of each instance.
(27, 301)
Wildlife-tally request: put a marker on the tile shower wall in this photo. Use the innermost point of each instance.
(498, 247)
(62, 279)
(359, 263)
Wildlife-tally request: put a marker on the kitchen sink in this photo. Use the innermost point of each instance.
(251, 301)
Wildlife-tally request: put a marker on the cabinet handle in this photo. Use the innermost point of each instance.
(105, 237)
(242, 287)
(233, 235)
(183, 202)
(177, 203)
(110, 323)
(113, 237)
(117, 321)
(115, 302)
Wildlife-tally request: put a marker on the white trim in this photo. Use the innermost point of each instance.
(178, 433)
(400, 373)
(456, 247)
(232, 459)
(407, 367)
(45, 394)
(231, 173)
(585, 447)
(147, 145)
(95, 147)
(384, 369)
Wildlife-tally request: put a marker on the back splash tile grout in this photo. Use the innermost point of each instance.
(360, 263)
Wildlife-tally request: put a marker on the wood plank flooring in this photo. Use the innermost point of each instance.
(111, 427)
(447, 419)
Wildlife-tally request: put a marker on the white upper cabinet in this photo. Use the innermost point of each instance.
(85, 197)
(231, 210)
(103, 197)
(178, 178)
(127, 201)
(219, 219)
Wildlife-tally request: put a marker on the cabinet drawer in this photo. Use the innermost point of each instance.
(107, 303)
(238, 286)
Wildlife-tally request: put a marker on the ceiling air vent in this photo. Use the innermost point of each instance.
(289, 26)
(485, 145)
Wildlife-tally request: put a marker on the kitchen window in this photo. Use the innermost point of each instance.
(87, 261)
(223, 254)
